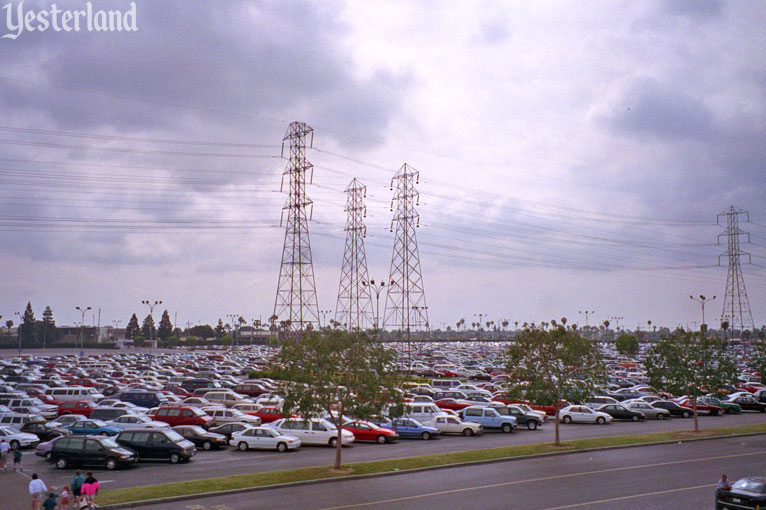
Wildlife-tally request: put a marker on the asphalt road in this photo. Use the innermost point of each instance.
(663, 476)
(231, 461)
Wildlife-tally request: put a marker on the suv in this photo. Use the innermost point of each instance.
(16, 420)
(175, 415)
(83, 407)
(489, 418)
(158, 444)
(91, 451)
(143, 398)
(251, 389)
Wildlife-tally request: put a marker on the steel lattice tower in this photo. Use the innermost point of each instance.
(406, 308)
(354, 306)
(296, 292)
(736, 306)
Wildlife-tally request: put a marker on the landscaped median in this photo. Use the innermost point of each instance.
(273, 478)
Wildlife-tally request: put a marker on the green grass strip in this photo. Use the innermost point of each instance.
(212, 485)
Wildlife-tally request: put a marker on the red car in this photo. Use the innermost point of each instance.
(175, 415)
(267, 414)
(83, 407)
(177, 390)
(366, 431)
(451, 403)
(83, 381)
(702, 408)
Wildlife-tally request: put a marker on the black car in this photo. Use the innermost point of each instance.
(745, 493)
(748, 403)
(45, 430)
(90, 451)
(619, 412)
(675, 409)
(522, 419)
(157, 444)
(201, 437)
(227, 429)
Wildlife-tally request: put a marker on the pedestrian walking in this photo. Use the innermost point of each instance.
(65, 498)
(50, 502)
(37, 490)
(17, 459)
(76, 487)
(90, 489)
(4, 448)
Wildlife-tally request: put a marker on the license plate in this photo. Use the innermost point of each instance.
(736, 500)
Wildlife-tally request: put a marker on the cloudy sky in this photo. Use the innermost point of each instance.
(573, 155)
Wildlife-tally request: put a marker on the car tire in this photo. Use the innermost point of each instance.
(243, 446)
(506, 428)
(467, 432)
(729, 410)
(381, 439)
(634, 418)
(568, 419)
(426, 435)
(333, 442)
(110, 464)
(600, 420)
(61, 463)
(532, 424)
(175, 458)
(207, 445)
(713, 413)
(686, 414)
(660, 416)
(281, 447)
(14, 444)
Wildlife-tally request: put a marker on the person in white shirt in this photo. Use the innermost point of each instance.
(37, 490)
(4, 448)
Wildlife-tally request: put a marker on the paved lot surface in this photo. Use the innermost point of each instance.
(667, 476)
(231, 461)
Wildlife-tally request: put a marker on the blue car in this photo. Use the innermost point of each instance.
(93, 427)
(409, 428)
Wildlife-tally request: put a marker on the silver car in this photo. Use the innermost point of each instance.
(648, 410)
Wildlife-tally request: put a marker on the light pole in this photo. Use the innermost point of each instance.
(324, 317)
(701, 300)
(479, 315)
(377, 288)
(616, 322)
(18, 330)
(151, 306)
(586, 313)
(116, 327)
(233, 318)
(83, 310)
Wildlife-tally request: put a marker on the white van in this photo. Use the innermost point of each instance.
(445, 384)
(423, 412)
(74, 393)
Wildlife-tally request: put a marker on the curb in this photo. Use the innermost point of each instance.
(319, 481)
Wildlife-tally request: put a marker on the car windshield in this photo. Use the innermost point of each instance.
(173, 435)
(750, 485)
(109, 442)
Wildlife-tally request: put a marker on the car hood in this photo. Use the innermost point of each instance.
(26, 436)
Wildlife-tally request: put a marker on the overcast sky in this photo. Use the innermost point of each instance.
(573, 155)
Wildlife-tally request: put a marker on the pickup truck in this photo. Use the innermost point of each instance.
(489, 418)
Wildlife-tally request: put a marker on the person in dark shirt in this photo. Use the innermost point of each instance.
(50, 502)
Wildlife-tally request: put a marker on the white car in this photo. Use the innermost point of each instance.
(247, 408)
(312, 431)
(223, 415)
(453, 425)
(264, 438)
(135, 421)
(68, 419)
(18, 439)
(583, 414)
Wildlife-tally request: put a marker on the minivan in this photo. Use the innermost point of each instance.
(193, 384)
(143, 398)
(175, 415)
(423, 412)
(91, 451)
(158, 444)
(445, 384)
(16, 420)
(74, 393)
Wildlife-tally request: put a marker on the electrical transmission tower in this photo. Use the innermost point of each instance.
(354, 307)
(736, 306)
(296, 300)
(406, 308)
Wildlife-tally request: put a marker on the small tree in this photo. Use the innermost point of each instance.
(204, 331)
(556, 364)
(337, 372)
(48, 326)
(148, 330)
(220, 329)
(166, 327)
(626, 344)
(9, 325)
(133, 329)
(139, 341)
(691, 364)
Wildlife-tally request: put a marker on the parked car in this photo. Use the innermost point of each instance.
(44, 449)
(748, 403)
(91, 451)
(410, 428)
(489, 418)
(673, 408)
(175, 415)
(368, 431)
(268, 414)
(264, 438)
(745, 493)
(69, 419)
(45, 431)
(202, 438)
(83, 407)
(648, 410)
(95, 427)
(701, 407)
(137, 421)
(312, 431)
(451, 403)
(523, 418)
(18, 439)
(158, 444)
(223, 415)
(620, 412)
(454, 425)
(17, 420)
(583, 414)
(728, 407)
(227, 429)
